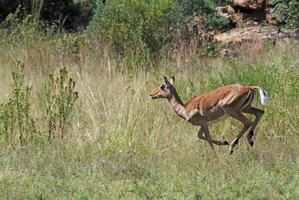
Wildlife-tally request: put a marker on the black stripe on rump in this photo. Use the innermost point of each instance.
(249, 99)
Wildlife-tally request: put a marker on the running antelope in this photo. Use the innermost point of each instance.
(201, 110)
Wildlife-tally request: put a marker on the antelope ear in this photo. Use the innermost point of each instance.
(166, 81)
(172, 80)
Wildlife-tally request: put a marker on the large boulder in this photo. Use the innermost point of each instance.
(249, 4)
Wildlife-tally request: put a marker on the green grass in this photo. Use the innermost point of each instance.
(125, 146)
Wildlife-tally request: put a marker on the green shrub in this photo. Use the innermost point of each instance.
(216, 21)
(134, 26)
(204, 8)
(287, 12)
(17, 31)
(15, 119)
(194, 7)
(139, 27)
(57, 99)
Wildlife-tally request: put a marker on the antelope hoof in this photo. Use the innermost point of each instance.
(231, 150)
(251, 133)
(249, 138)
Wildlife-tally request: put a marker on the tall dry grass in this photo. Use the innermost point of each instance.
(122, 145)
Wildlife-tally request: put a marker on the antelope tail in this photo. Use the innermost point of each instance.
(263, 95)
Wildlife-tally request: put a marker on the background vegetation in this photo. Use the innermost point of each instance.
(288, 13)
(76, 121)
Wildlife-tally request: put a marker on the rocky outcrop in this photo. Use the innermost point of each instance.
(249, 12)
(247, 43)
(248, 4)
(249, 34)
(255, 22)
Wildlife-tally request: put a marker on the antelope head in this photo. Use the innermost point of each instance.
(165, 90)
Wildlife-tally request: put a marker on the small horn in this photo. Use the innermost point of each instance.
(165, 80)
(172, 78)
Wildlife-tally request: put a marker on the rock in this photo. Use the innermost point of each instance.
(270, 10)
(230, 10)
(249, 4)
(224, 53)
(269, 3)
(221, 10)
(271, 18)
(250, 23)
(238, 17)
(225, 11)
(248, 12)
(264, 33)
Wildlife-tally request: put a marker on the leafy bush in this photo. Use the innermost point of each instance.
(204, 8)
(216, 21)
(17, 31)
(194, 7)
(137, 27)
(134, 26)
(287, 12)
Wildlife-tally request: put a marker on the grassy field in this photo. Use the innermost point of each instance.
(123, 145)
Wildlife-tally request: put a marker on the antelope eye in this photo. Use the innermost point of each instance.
(163, 87)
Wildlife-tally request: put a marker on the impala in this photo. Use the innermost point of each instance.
(202, 110)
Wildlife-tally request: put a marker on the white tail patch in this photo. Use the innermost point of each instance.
(264, 96)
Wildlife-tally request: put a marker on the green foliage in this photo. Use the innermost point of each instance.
(216, 21)
(134, 26)
(20, 32)
(210, 49)
(68, 45)
(271, 77)
(287, 12)
(138, 28)
(252, 74)
(57, 99)
(15, 118)
(195, 7)
(204, 8)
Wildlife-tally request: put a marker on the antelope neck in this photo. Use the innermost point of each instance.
(177, 104)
